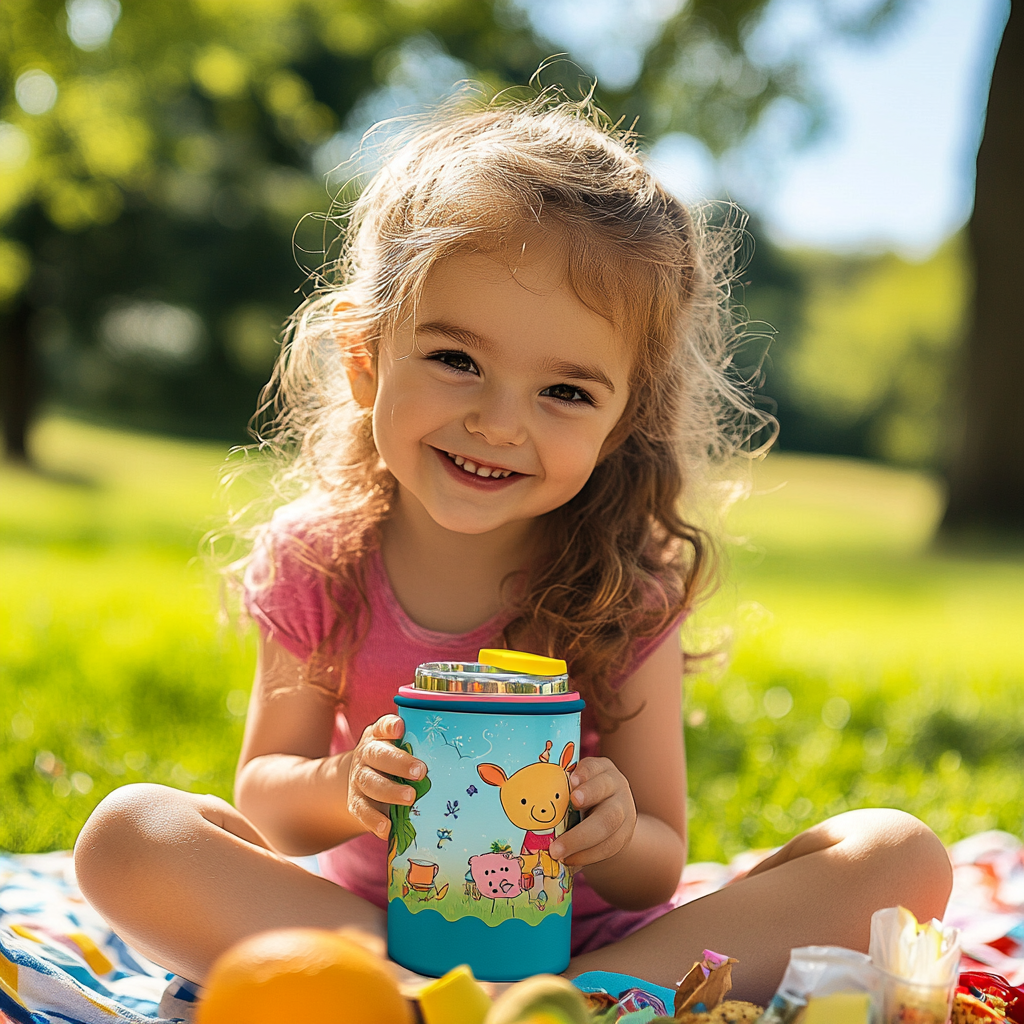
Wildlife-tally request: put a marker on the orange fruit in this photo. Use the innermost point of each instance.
(301, 976)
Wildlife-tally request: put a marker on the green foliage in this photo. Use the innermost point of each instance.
(878, 343)
(403, 834)
(866, 349)
(161, 167)
(866, 668)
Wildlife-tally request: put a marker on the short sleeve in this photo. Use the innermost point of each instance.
(283, 592)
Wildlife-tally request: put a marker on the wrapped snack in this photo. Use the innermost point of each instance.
(969, 1008)
(706, 984)
(826, 983)
(634, 999)
(982, 997)
(918, 965)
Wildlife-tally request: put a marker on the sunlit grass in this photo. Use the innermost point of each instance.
(866, 669)
(115, 664)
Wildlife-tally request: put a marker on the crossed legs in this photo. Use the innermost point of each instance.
(182, 877)
(821, 888)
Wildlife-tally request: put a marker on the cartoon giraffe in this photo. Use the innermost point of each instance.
(535, 798)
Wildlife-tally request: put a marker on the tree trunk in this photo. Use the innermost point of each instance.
(18, 391)
(986, 475)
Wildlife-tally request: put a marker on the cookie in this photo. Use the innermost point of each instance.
(732, 1011)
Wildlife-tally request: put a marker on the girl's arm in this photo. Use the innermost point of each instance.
(632, 840)
(300, 797)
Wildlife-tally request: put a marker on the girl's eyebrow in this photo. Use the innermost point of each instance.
(466, 337)
(560, 367)
(578, 371)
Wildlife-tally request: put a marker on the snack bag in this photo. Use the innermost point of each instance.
(706, 983)
(998, 998)
(817, 973)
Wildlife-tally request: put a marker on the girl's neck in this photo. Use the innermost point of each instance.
(449, 582)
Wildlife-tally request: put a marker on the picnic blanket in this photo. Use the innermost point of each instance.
(59, 962)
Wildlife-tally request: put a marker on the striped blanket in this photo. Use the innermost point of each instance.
(59, 962)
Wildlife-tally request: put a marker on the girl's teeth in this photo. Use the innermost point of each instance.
(471, 467)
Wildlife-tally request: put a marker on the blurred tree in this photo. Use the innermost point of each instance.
(986, 476)
(866, 348)
(154, 161)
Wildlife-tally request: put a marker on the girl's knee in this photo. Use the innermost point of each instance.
(127, 834)
(905, 856)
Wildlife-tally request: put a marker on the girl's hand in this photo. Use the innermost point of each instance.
(602, 793)
(374, 759)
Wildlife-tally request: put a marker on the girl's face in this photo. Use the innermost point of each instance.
(492, 407)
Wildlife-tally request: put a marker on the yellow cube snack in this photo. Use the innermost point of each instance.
(839, 1008)
(455, 998)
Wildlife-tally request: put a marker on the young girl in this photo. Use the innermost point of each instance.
(499, 414)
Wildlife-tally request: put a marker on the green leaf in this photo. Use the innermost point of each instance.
(401, 821)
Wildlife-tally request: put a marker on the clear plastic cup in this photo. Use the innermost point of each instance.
(905, 1002)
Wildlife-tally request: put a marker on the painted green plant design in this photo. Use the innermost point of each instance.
(403, 833)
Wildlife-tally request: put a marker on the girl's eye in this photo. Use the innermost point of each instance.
(456, 360)
(568, 394)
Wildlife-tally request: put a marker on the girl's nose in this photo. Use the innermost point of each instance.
(498, 420)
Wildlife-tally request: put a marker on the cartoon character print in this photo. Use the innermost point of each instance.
(421, 878)
(535, 798)
(498, 876)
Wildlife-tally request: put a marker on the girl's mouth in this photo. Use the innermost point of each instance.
(478, 469)
(476, 473)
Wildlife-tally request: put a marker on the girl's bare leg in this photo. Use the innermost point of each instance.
(181, 877)
(821, 888)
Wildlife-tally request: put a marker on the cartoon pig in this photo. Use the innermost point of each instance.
(498, 876)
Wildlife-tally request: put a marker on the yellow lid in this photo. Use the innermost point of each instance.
(520, 661)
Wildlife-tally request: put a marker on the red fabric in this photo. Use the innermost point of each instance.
(290, 604)
(534, 842)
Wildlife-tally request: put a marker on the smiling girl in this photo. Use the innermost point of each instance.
(500, 415)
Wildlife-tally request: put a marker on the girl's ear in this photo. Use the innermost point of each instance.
(362, 374)
(362, 378)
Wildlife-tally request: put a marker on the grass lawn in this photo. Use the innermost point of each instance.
(866, 668)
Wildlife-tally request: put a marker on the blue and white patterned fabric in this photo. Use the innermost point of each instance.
(60, 962)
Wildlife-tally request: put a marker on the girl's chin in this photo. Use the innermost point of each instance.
(476, 526)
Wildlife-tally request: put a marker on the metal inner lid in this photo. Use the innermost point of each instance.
(471, 677)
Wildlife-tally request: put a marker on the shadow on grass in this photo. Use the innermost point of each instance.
(61, 477)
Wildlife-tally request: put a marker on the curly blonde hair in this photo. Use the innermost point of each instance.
(627, 559)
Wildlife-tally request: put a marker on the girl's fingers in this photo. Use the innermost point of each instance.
(387, 758)
(387, 727)
(597, 837)
(374, 786)
(370, 817)
(590, 768)
(593, 850)
(598, 788)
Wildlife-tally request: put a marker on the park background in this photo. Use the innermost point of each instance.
(166, 172)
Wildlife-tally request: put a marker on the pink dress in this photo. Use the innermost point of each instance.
(293, 609)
